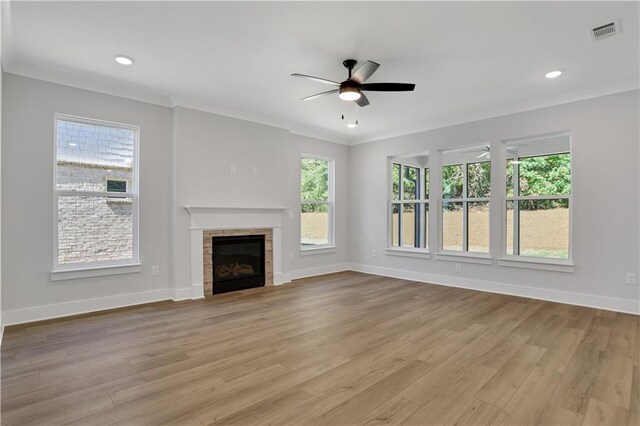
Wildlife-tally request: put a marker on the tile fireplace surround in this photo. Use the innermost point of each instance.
(207, 222)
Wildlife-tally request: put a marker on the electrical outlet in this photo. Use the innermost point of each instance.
(290, 256)
(373, 253)
(290, 214)
(254, 171)
(458, 267)
(630, 278)
(234, 169)
(155, 270)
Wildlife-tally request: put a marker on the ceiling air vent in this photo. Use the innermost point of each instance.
(605, 30)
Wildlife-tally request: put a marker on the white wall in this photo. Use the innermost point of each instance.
(185, 160)
(605, 144)
(27, 208)
(206, 147)
(185, 157)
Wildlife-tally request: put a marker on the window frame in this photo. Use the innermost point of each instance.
(331, 244)
(422, 201)
(465, 200)
(103, 267)
(533, 262)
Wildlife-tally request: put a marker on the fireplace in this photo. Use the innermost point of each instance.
(238, 262)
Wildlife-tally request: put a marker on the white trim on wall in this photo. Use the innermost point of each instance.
(571, 298)
(58, 310)
(44, 312)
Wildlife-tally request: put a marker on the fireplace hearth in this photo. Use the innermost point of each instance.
(238, 262)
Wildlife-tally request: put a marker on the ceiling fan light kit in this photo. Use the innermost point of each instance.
(349, 93)
(351, 89)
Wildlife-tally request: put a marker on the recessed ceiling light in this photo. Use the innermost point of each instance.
(72, 144)
(352, 125)
(124, 60)
(553, 74)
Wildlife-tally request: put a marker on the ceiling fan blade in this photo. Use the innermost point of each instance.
(364, 71)
(317, 95)
(388, 87)
(362, 100)
(316, 79)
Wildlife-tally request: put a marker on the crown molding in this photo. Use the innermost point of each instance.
(114, 87)
(595, 92)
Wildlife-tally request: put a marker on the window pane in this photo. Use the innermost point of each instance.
(452, 224)
(426, 182)
(395, 176)
(410, 189)
(395, 225)
(94, 229)
(544, 228)
(89, 154)
(314, 224)
(410, 225)
(479, 179)
(509, 230)
(510, 177)
(426, 225)
(452, 181)
(545, 175)
(314, 178)
(116, 185)
(478, 222)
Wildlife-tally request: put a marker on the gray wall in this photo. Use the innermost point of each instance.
(27, 178)
(605, 176)
(185, 159)
(196, 147)
(206, 147)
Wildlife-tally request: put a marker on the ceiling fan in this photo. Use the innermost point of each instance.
(351, 89)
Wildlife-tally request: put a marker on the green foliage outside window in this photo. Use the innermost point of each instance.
(314, 182)
(452, 181)
(542, 175)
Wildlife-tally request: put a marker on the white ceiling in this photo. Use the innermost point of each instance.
(469, 60)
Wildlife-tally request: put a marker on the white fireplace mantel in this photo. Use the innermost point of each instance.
(218, 217)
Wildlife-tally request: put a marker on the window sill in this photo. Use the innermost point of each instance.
(98, 271)
(544, 265)
(317, 250)
(480, 259)
(407, 252)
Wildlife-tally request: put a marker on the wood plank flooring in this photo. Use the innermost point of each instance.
(339, 349)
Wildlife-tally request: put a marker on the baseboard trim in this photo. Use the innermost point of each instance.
(580, 299)
(76, 307)
(45, 312)
(1, 334)
(184, 293)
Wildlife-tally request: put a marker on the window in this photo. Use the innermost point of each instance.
(317, 205)
(409, 204)
(96, 193)
(466, 182)
(114, 185)
(538, 197)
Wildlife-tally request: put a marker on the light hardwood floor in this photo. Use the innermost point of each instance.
(342, 349)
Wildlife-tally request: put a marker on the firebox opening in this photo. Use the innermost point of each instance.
(238, 263)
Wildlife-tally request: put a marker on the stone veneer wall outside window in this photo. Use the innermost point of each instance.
(93, 228)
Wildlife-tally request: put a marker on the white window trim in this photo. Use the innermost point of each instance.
(100, 268)
(530, 262)
(400, 250)
(420, 253)
(331, 245)
(464, 254)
